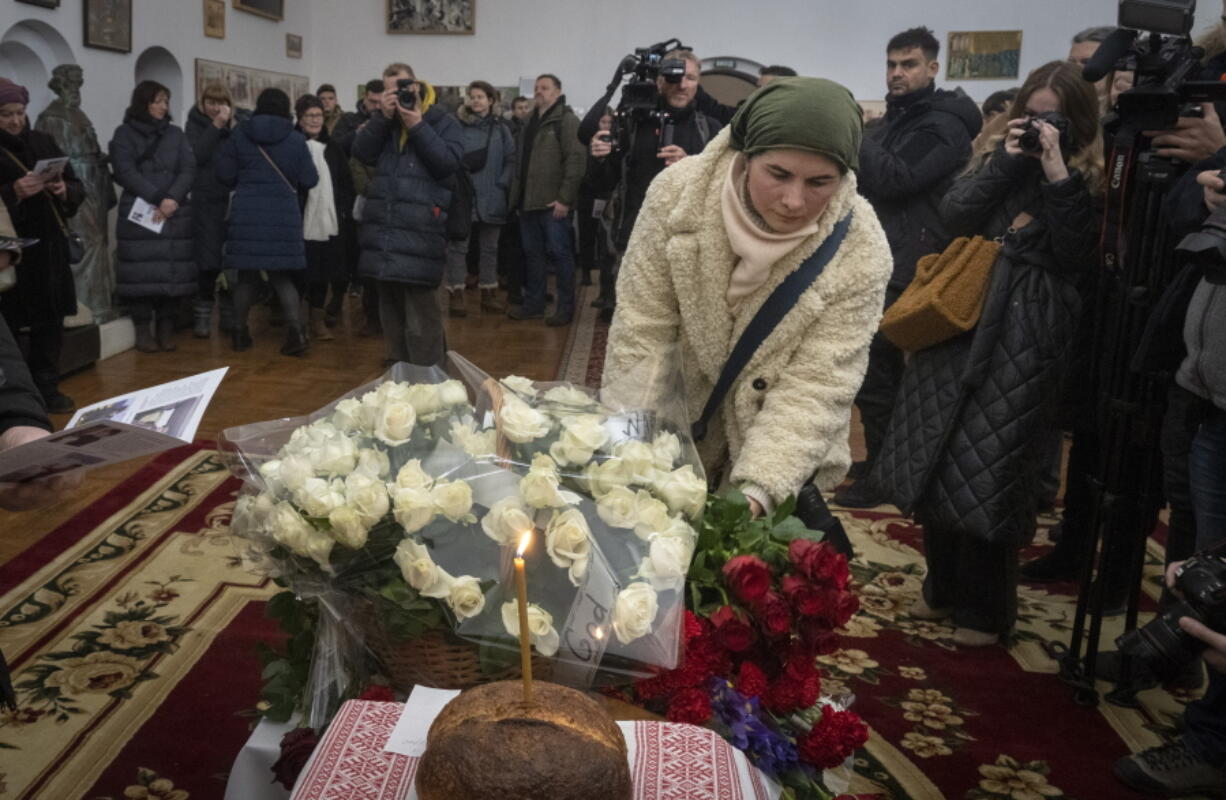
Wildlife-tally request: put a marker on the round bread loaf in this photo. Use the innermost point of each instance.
(488, 744)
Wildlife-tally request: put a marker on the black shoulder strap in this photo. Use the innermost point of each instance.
(704, 127)
(772, 312)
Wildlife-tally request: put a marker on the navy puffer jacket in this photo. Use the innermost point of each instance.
(404, 222)
(153, 264)
(265, 230)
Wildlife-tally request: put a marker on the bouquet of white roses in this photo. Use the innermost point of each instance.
(405, 499)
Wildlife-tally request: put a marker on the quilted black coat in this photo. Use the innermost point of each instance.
(960, 450)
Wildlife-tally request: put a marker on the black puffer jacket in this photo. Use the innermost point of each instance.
(960, 449)
(907, 163)
(209, 197)
(404, 222)
(153, 161)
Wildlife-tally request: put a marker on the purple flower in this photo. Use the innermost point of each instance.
(769, 750)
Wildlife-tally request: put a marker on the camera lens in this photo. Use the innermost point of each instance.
(1162, 644)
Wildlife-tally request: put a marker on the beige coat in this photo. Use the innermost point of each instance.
(672, 286)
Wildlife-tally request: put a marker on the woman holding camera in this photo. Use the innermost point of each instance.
(962, 447)
(771, 202)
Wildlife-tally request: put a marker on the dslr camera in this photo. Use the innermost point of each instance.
(407, 93)
(1162, 644)
(1031, 142)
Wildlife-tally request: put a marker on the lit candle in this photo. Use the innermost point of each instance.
(521, 587)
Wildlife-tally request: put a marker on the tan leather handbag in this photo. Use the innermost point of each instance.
(946, 296)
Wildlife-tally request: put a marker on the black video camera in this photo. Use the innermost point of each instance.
(640, 97)
(1162, 644)
(1031, 139)
(407, 93)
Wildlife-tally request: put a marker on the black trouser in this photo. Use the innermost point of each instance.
(144, 308)
(248, 288)
(412, 318)
(206, 285)
(370, 299)
(976, 578)
(812, 510)
(317, 293)
(876, 396)
(45, 342)
(511, 255)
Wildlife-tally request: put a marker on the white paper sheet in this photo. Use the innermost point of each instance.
(50, 169)
(142, 215)
(409, 736)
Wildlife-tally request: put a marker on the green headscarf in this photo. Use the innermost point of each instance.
(804, 114)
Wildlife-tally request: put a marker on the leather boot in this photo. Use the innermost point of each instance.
(295, 341)
(145, 341)
(319, 326)
(166, 333)
(491, 302)
(202, 318)
(455, 303)
(225, 312)
(332, 312)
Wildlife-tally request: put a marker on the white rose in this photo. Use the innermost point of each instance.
(520, 385)
(605, 476)
(391, 390)
(476, 443)
(349, 416)
(507, 520)
(425, 399)
(452, 393)
(318, 496)
(539, 489)
(299, 536)
(420, 571)
(453, 500)
(540, 627)
(568, 541)
(542, 461)
(667, 562)
(681, 529)
(373, 463)
(368, 497)
(412, 476)
(337, 455)
(650, 516)
(295, 470)
(618, 507)
(634, 612)
(521, 423)
(270, 472)
(348, 528)
(466, 599)
(666, 449)
(394, 424)
(683, 490)
(638, 461)
(569, 396)
(581, 437)
(413, 508)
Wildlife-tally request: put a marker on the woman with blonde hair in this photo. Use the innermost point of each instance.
(963, 447)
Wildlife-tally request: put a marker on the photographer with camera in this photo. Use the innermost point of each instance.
(415, 147)
(646, 140)
(907, 162)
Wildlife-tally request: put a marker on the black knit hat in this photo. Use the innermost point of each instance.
(274, 102)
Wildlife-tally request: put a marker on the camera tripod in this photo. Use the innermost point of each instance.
(1138, 263)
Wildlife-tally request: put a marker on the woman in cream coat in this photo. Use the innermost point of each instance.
(718, 232)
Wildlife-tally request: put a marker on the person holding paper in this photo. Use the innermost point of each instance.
(154, 164)
(39, 208)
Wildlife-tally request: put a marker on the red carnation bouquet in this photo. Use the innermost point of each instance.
(765, 598)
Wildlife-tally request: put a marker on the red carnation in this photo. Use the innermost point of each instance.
(833, 739)
(751, 681)
(693, 626)
(732, 630)
(774, 614)
(807, 599)
(748, 577)
(377, 693)
(690, 705)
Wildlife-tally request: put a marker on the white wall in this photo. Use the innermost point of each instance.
(175, 25)
(582, 40)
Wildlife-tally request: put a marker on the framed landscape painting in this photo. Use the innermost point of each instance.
(432, 16)
(108, 24)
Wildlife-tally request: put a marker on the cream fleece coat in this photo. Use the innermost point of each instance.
(672, 290)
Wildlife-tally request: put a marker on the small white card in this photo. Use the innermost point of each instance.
(409, 736)
(51, 169)
(142, 214)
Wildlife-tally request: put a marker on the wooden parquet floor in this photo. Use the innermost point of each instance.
(263, 384)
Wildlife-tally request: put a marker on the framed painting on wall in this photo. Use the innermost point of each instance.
(984, 55)
(272, 9)
(293, 45)
(432, 16)
(245, 83)
(108, 25)
(43, 3)
(215, 18)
